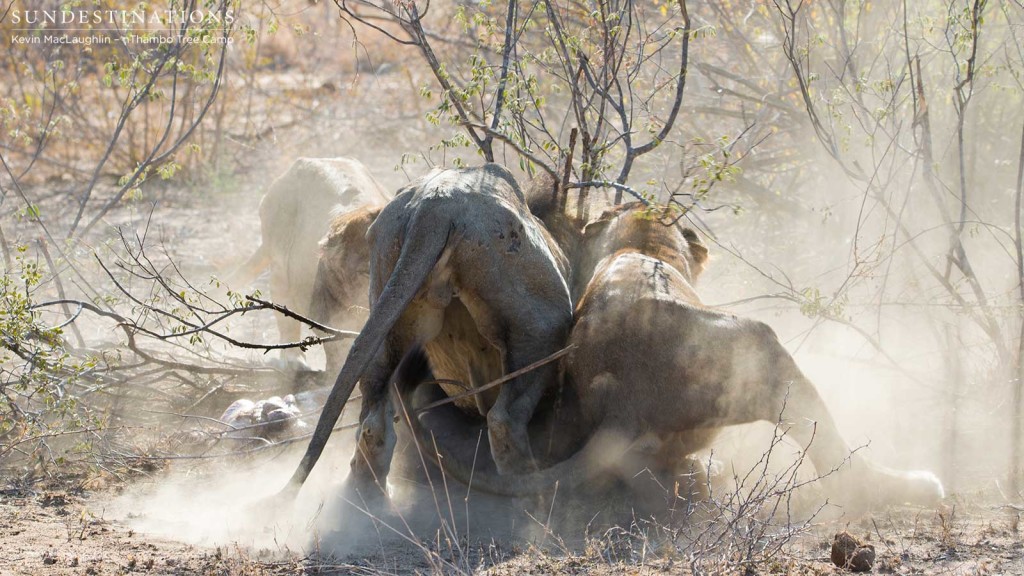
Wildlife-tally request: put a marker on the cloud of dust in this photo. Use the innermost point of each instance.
(222, 503)
(919, 400)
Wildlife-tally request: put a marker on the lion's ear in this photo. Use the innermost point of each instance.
(541, 195)
(596, 227)
(698, 250)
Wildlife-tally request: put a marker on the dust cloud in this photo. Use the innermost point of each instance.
(227, 503)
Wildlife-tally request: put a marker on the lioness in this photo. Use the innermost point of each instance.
(459, 264)
(294, 215)
(654, 369)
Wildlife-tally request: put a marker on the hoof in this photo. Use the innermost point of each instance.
(352, 521)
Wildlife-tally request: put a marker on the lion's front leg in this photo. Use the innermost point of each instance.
(766, 384)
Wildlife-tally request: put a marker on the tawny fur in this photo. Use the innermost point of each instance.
(460, 265)
(341, 288)
(656, 371)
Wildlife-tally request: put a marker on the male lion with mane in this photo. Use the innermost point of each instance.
(459, 265)
(343, 279)
(656, 372)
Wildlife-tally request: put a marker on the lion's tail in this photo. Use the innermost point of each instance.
(425, 240)
(568, 474)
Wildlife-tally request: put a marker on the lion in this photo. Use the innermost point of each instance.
(459, 265)
(656, 371)
(342, 281)
(294, 215)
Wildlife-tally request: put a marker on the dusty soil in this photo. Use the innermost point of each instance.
(60, 528)
(55, 532)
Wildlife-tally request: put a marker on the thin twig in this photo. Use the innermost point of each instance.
(499, 381)
(60, 291)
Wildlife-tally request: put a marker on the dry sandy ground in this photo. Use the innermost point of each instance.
(56, 533)
(69, 531)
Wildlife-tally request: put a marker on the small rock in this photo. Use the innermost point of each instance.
(849, 553)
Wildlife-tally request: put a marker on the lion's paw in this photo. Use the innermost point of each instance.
(923, 487)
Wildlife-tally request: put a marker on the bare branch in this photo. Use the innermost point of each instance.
(494, 384)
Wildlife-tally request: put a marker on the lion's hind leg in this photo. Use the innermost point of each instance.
(522, 337)
(798, 409)
(508, 420)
